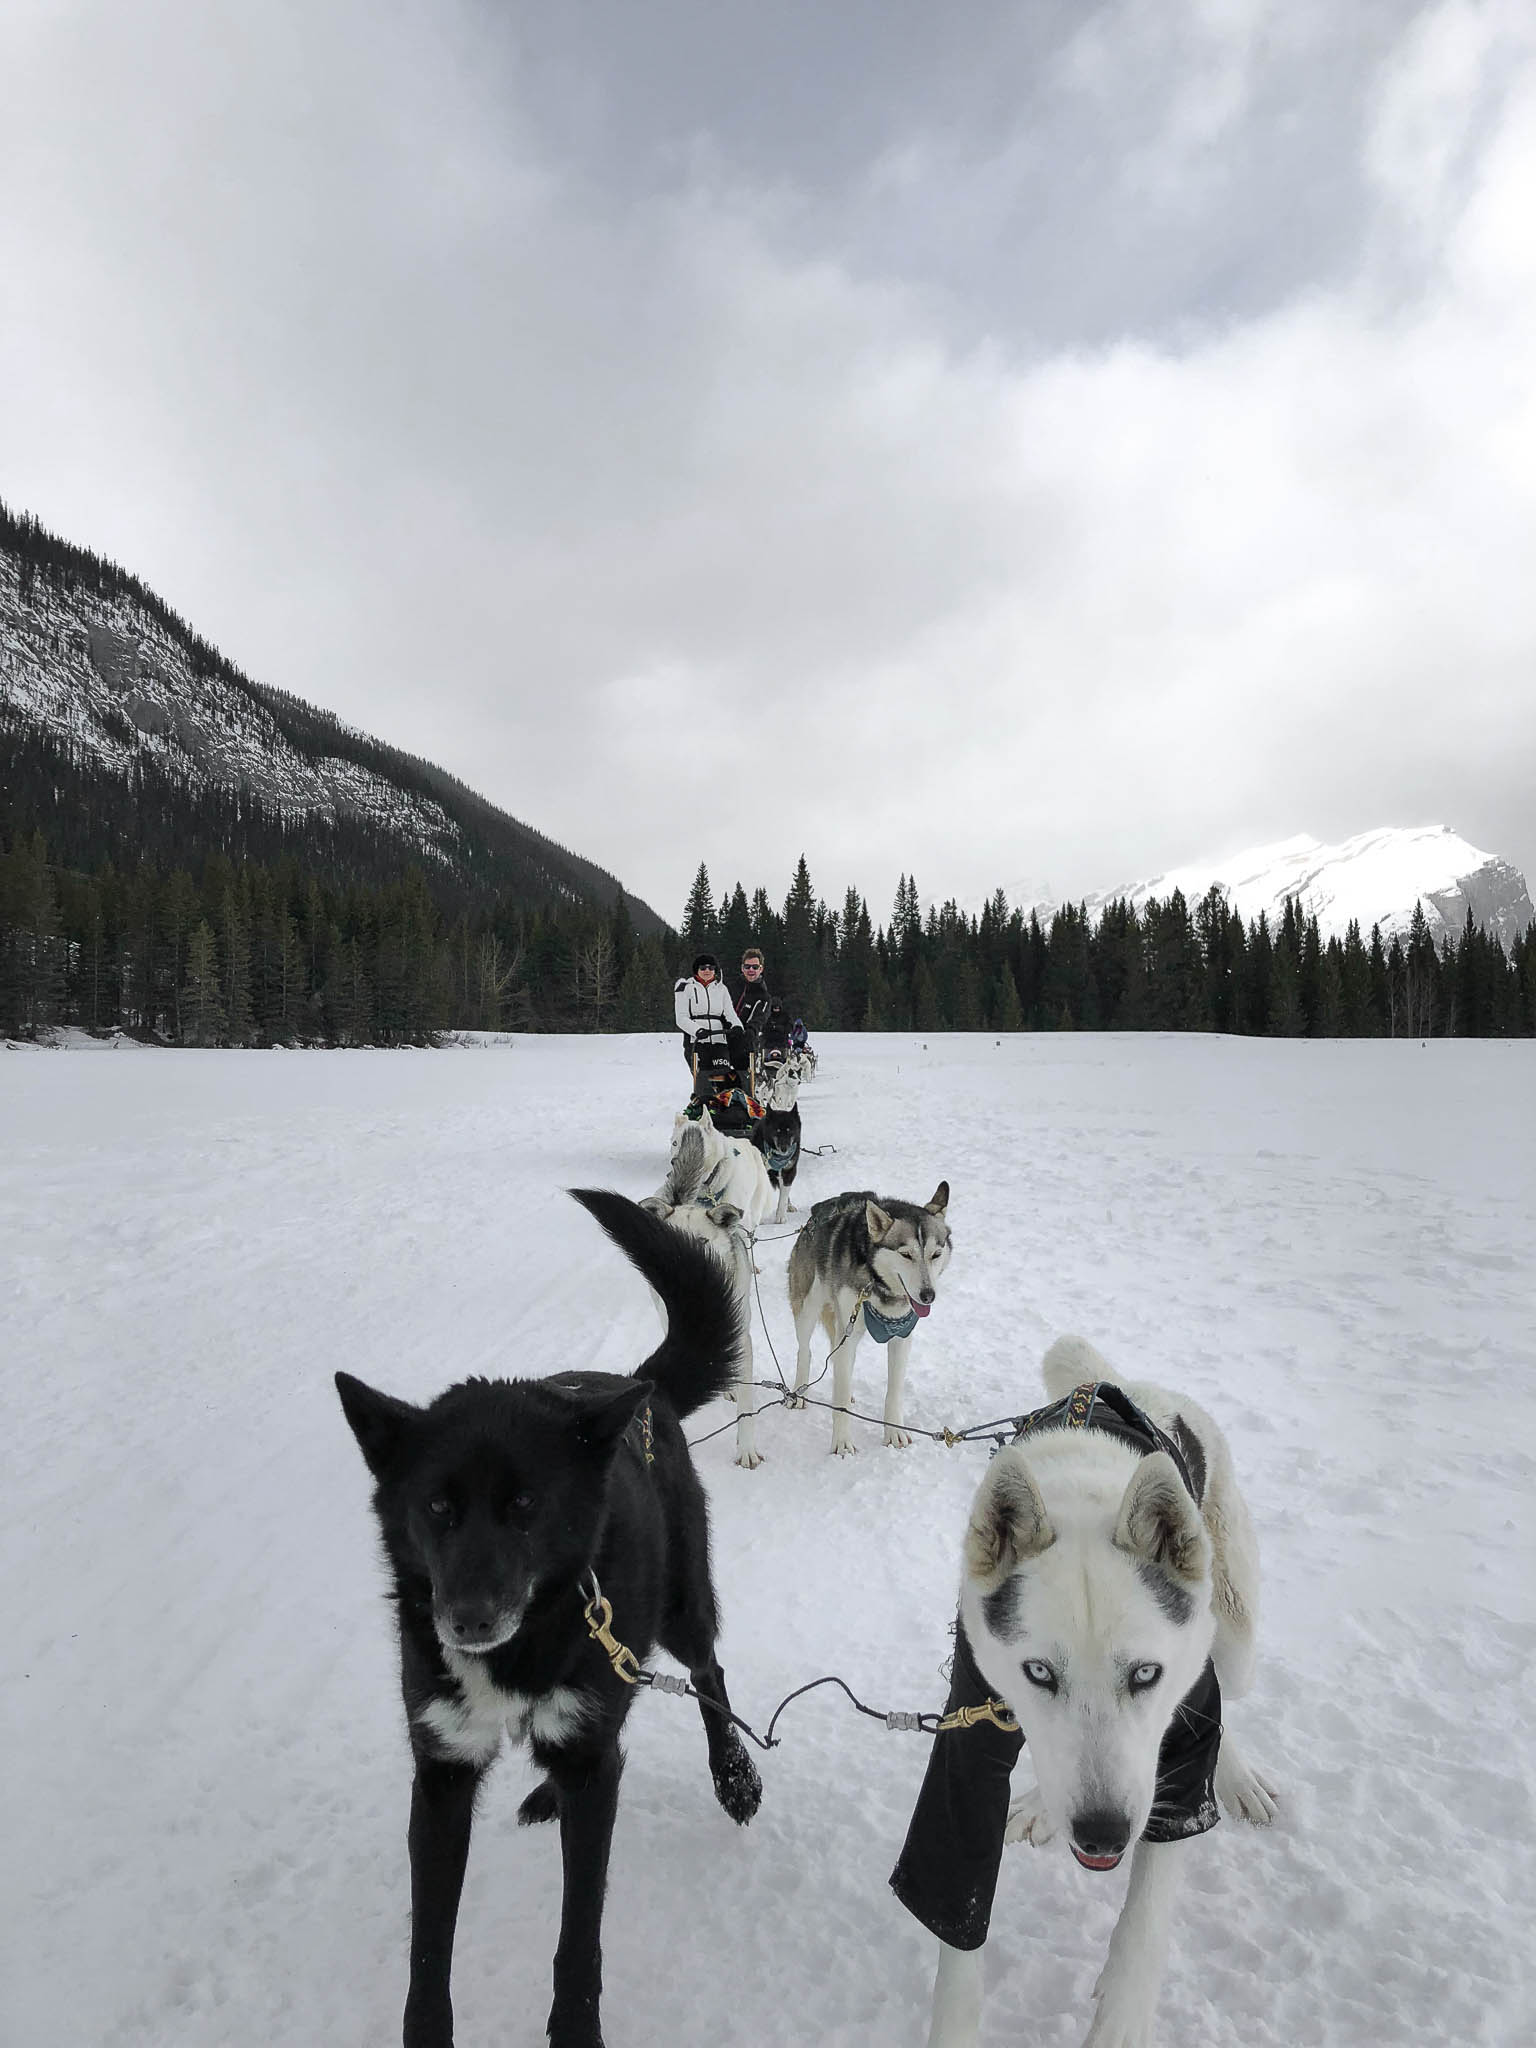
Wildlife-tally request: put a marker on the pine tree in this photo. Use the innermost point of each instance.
(877, 1003)
(855, 946)
(622, 928)
(178, 917)
(202, 1004)
(736, 932)
(1421, 976)
(700, 927)
(235, 970)
(634, 1008)
(925, 999)
(31, 955)
(349, 999)
(1260, 975)
(1007, 1011)
(965, 1007)
(1286, 1018)
(798, 971)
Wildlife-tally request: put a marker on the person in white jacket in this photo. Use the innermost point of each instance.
(706, 1016)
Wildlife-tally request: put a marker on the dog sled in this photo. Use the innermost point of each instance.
(733, 1110)
(800, 1056)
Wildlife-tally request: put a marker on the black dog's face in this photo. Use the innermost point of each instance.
(494, 1490)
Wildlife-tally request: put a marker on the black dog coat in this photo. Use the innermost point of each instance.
(946, 1874)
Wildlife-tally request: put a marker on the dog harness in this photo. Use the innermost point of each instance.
(946, 1874)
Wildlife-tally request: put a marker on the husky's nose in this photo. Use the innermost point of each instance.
(925, 1295)
(1100, 1834)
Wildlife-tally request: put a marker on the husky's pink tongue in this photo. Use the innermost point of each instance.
(920, 1308)
(1094, 1862)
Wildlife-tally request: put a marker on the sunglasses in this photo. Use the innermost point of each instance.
(751, 966)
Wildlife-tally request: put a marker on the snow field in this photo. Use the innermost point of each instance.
(1327, 1244)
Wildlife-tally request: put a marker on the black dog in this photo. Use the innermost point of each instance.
(776, 1135)
(514, 1513)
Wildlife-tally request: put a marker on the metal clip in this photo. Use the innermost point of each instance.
(599, 1617)
(989, 1710)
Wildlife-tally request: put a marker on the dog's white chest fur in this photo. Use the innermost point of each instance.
(469, 1729)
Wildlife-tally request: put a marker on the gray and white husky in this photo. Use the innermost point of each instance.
(717, 1190)
(861, 1252)
(1101, 1583)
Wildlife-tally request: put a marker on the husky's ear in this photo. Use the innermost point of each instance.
(380, 1422)
(603, 1418)
(876, 1222)
(1008, 1522)
(1159, 1521)
(940, 1200)
(727, 1215)
(656, 1205)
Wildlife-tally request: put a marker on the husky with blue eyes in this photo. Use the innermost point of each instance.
(866, 1265)
(1108, 1600)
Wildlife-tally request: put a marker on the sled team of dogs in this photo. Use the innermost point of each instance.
(546, 1536)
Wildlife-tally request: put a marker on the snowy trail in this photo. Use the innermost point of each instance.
(1329, 1244)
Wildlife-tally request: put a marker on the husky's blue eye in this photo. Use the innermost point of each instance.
(1145, 1676)
(440, 1507)
(1041, 1674)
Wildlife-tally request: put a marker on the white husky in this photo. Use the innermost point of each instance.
(717, 1190)
(1094, 1592)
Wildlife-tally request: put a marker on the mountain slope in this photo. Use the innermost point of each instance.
(1374, 878)
(118, 721)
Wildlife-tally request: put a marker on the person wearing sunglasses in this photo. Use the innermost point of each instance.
(754, 1002)
(706, 1016)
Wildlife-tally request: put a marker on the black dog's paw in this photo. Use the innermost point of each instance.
(737, 1786)
(542, 1803)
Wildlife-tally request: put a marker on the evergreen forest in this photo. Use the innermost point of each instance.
(239, 952)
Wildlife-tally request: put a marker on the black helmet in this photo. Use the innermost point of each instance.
(706, 960)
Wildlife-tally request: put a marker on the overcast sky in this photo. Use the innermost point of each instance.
(1029, 444)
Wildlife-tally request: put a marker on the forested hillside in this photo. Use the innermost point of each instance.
(125, 736)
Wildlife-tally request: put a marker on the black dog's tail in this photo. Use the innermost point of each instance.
(700, 1354)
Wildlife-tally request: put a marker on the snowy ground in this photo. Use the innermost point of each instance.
(1329, 1244)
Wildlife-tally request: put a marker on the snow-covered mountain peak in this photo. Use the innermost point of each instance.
(1376, 877)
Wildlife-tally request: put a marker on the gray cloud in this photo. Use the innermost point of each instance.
(1059, 448)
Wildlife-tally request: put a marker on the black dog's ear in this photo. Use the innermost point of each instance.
(380, 1422)
(603, 1418)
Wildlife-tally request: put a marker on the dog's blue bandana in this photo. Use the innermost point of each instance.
(884, 1328)
(777, 1162)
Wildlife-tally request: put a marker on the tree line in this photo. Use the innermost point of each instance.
(1169, 966)
(250, 953)
(245, 952)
